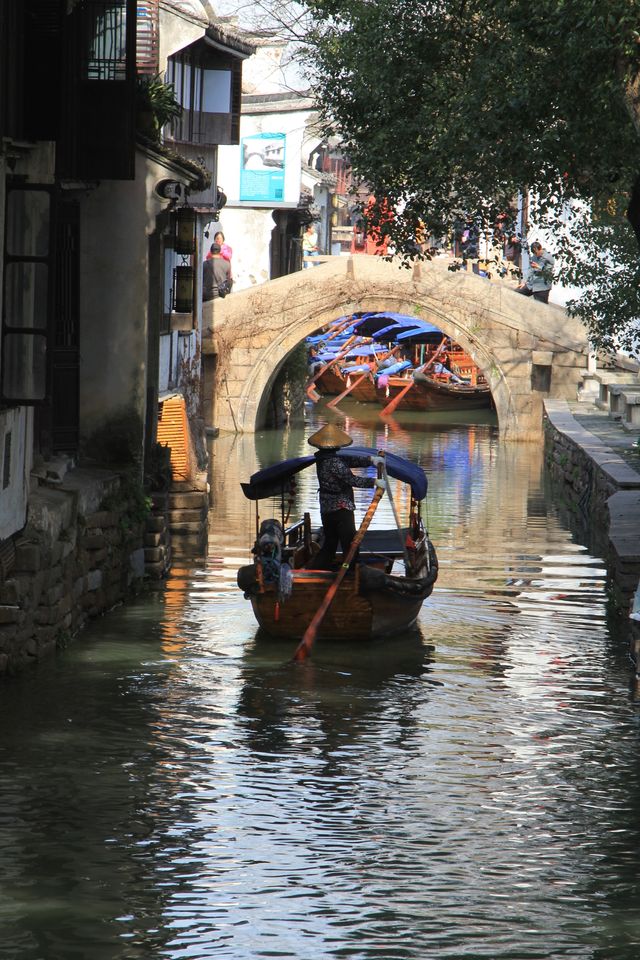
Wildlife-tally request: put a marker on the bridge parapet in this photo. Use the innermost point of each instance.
(526, 350)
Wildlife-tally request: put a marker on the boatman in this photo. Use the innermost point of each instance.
(336, 483)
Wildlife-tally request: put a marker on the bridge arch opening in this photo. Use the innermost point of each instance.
(526, 350)
(396, 362)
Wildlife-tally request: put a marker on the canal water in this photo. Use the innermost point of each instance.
(173, 786)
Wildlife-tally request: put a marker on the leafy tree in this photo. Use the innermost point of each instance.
(448, 109)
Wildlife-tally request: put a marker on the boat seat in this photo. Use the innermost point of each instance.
(302, 555)
(385, 542)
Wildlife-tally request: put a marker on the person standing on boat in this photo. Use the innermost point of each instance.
(336, 483)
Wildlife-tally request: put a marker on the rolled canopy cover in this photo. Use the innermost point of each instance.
(271, 481)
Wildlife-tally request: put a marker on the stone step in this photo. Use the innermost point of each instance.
(188, 527)
(188, 501)
(190, 516)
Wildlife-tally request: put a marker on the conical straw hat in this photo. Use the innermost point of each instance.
(330, 437)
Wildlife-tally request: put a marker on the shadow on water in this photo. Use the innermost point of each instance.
(341, 691)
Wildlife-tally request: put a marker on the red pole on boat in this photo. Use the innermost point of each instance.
(313, 394)
(390, 407)
(304, 647)
(344, 393)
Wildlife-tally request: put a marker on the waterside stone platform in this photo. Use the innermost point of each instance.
(599, 462)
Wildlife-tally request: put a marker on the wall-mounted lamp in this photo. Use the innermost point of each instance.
(184, 230)
(221, 198)
(183, 278)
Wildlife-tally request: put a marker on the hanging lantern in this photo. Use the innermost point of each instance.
(184, 230)
(183, 289)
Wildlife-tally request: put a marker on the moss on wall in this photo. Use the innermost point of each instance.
(287, 396)
(118, 442)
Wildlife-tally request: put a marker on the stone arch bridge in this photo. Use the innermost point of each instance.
(526, 350)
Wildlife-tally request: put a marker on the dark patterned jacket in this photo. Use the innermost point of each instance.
(337, 481)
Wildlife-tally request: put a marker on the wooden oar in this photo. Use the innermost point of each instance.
(344, 393)
(304, 647)
(336, 400)
(391, 407)
(313, 394)
(339, 329)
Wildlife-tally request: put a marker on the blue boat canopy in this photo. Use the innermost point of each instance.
(391, 332)
(425, 333)
(274, 480)
(364, 350)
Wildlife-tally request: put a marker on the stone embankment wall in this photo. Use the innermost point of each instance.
(602, 492)
(74, 560)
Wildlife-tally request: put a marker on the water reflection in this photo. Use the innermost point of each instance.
(345, 690)
(174, 786)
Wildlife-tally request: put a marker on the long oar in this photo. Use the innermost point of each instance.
(304, 647)
(346, 347)
(391, 406)
(336, 400)
(352, 386)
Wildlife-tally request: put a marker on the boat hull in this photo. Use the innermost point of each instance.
(330, 383)
(429, 394)
(383, 607)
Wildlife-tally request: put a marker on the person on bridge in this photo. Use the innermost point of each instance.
(310, 244)
(216, 275)
(336, 483)
(225, 250)
(540, 276)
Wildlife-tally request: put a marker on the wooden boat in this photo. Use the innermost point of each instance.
(359, 372)
(353, 373)
(436, 392)
(372, 600)
(432, 385)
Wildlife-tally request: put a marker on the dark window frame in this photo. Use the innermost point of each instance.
(186, 71)
(40, 330)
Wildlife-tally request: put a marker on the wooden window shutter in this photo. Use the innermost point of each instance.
(236, 99)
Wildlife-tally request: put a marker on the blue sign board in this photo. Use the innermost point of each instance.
(262, 167)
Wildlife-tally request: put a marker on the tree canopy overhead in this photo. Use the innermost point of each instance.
(450, 108)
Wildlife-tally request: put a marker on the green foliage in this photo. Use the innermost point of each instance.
(117, 443)
(601, 255)
(156, 104)
(130, 501)
(448, 109)
(157, 473)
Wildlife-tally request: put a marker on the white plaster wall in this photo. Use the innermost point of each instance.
(263, 72)
(179, 28)
(248, 233)
(13, 499)
(292, 124)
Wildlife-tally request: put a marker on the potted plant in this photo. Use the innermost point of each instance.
(156, 105)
